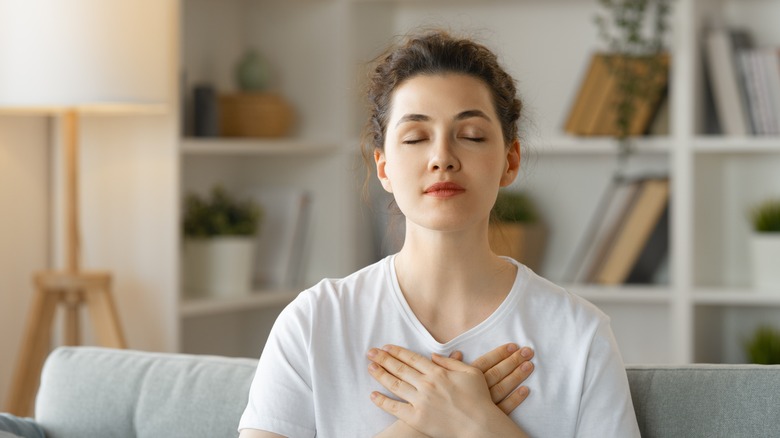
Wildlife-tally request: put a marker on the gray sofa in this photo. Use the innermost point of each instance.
(95, 392)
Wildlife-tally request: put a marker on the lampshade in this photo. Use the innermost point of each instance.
(76, 53)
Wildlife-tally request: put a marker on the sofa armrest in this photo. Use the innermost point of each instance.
(706, 400)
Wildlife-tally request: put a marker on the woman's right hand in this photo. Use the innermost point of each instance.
(505, 369)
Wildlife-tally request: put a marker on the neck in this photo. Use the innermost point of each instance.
(452, 280)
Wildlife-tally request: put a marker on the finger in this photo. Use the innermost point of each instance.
(396, 408)
(505, 386)
(514, 400)
(507, 365)
(450, 363)
(457, 355)
(395, 366)
(393, 384)
(408, 357)
(493, 357)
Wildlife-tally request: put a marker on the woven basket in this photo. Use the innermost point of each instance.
(254, 115)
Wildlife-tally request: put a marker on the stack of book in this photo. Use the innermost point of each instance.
(744, 83)
(628, 239)
(595, 111)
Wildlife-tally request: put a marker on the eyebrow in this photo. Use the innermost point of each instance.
(461, 116)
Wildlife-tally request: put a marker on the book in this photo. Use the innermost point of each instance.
(750, 81)
(602, 98)
(647, 268)
(771, 65)
(582, 109)
(634, 232)
(282, 236)
(645, 106)
(601, 229)
(731, 107)
(594, 111)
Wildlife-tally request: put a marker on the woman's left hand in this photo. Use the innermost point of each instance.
(442, 396)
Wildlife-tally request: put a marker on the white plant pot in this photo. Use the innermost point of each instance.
(765, 253)
(218, 266)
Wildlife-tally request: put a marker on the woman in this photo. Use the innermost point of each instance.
(367, 355)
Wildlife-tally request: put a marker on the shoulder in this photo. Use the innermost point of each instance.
(342, 294)
(360, 283)
(555, 302)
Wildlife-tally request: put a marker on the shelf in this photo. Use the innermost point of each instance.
(567, 145)
(257, 300)
(736, 145)
(253, 146)
(735, 297)
(623, 294)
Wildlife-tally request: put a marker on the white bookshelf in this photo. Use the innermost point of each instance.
(317, 49)
(244, 146)
(256, 300)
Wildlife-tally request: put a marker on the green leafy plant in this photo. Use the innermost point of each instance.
(764, 347)
(220, 215)
(634, 32)
(766, 216)
(514, 206)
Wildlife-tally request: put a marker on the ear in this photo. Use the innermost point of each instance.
(512, 167)
(381, 162)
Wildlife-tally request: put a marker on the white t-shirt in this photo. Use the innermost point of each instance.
(312, 378)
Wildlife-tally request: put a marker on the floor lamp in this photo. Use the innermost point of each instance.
(72, 59)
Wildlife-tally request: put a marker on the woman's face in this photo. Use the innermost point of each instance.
(444, 157)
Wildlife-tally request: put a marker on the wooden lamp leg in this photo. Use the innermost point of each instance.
(104, 315)
(70, 290)
(33, 351)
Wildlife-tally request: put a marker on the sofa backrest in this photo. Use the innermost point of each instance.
(97, 392)
(703, 400)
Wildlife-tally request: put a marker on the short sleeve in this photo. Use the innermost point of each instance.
(606, 408)
(280, 398)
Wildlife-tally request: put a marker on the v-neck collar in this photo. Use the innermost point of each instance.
(406, 311)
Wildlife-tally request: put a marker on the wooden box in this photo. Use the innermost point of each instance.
(254, 115)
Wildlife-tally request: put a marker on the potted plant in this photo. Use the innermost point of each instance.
(219, 242)
(634, 32)
(516, 229)
(764, 347)
(765, 245)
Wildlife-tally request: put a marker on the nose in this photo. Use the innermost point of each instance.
(443, 156)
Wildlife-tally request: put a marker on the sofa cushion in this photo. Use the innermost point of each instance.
(706, 400)
(98, 392)
(12, 426)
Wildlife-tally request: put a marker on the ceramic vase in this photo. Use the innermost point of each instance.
(765, 261)
(253, 73)
(218, 266)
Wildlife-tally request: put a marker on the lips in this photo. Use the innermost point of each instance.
(444, 189)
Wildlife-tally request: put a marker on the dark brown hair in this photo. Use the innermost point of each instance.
(431, 53)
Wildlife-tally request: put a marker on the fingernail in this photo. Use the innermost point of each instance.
(372, 366)
(387, 348)
(511, 347)
(527, 366)
(526, 353)
(372, 353)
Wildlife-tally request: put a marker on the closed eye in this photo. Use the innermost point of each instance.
(475, 139)
(413, 141)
